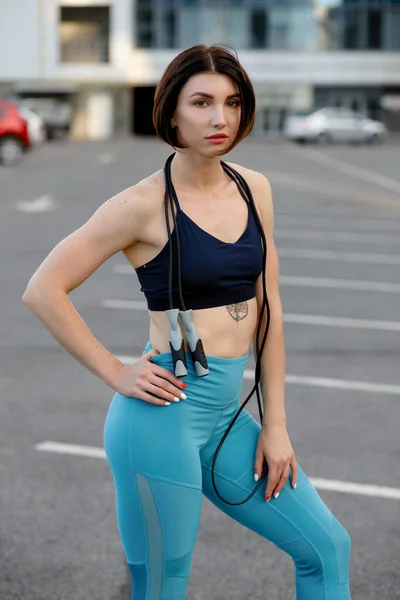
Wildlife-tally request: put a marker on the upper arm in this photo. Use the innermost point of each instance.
(114, 226)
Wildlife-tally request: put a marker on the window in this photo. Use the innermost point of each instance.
(392, 28)
(84, 33)
(170, 27)
(258, 28)
(351, 28)
(374, 29)
(145, 27)
(296, 25)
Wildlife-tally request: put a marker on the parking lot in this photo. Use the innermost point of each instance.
(337, 231)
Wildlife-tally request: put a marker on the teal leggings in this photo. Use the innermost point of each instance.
(160, 458)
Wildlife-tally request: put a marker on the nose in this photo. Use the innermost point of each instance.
(218, 118)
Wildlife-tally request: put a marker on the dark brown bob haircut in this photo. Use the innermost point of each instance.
(195, 60)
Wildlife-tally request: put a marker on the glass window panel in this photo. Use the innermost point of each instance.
(303, 31)
(170, 27)
(84, 34)
(279, 28)
(144, 28)
(392, 28)
(293, 28)
(259, 28)
(351, 28)
(188, 27)
(216, 24)
(374, 28)
(297, 25)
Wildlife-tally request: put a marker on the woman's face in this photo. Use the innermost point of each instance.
(208, 105)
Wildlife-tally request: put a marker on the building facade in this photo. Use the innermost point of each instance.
(106, 56)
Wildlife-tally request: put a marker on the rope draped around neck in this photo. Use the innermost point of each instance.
(194, 342)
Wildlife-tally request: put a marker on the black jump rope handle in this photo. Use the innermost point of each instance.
(176, 343)
(195, 343)
(177, 346)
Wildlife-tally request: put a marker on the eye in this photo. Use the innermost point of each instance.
(234, 103)
(197, 103)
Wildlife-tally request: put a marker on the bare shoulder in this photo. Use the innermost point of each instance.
(150, 188)
(139, 200)
(253, 178)
(260, 189)
(129, 214)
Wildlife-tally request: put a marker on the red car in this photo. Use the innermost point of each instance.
(14, 138)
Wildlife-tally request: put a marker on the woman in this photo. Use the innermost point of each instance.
(163, 444)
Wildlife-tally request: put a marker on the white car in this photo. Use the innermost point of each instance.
(36, 125)
(56, 114)
(334, 125)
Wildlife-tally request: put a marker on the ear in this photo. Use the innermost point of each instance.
(173, 124)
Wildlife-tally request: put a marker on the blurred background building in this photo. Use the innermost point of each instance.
(103, 58)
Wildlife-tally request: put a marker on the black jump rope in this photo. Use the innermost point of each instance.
(176, 341)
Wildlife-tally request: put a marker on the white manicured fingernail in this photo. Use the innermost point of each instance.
(183, 396)
(167, 403)
(255, 477)
(276, 495)
(295, 486)
(176, 399)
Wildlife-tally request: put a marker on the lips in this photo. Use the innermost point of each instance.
(217, 136)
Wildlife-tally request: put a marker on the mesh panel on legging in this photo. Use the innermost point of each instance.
(160, 567)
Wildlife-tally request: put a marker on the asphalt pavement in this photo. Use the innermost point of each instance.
(337, 231)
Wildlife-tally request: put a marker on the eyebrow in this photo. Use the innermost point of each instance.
(205, 95)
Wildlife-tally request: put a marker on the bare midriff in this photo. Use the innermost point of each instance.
(226, 331)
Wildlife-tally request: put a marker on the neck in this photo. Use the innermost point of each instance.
(192, 172)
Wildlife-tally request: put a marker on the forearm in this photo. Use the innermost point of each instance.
(273, 369)
(58, 314)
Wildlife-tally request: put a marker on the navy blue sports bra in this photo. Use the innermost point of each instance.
(214, 273)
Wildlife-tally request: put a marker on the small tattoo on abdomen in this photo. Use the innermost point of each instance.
(238, 311)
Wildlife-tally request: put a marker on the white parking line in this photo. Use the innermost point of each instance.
(319, 320)
(73, 449)
(344, 167)
(305, 380)
(42, 204)
(337, 236)
(344, 284)
(346, 487)
(343, 487)
(342, 322)
(343, 384)
(377, 224)
(332, 255)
